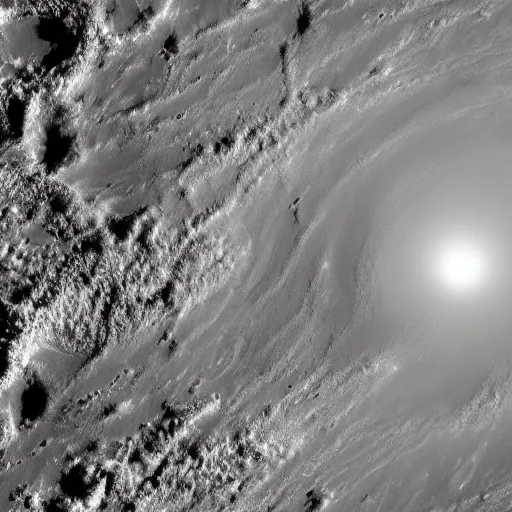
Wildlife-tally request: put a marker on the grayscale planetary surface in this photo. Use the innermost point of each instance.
(256, 255)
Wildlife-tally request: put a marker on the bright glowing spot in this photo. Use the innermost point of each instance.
(461, 266)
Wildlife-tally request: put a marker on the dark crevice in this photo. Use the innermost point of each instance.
(373, 71)
(314, 501)
(142, 18)
(64, 42)
(54, 505)
(58, 147)
(170, 46)
(123, 226)
(34, 400)
(8, 323)
(74, 482)
(59, 203)
(167, 293)
(283, 53)
(16, 116)
(109, 409)
(20, 294)
(224, 144)
(304, 19)
(109, 483)
(91, 243)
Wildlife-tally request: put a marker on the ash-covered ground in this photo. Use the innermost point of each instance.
(208, 211)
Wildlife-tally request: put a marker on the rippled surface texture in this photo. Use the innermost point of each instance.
(255, 255)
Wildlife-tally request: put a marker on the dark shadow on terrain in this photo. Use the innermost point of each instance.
(34, 400)
(74, 483)
(304, 19)
(16, 116)
(58, 147)
(170, 46)
(64, 42)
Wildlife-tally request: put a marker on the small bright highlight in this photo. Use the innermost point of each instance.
(461, 266)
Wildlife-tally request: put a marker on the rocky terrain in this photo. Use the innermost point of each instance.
(203, 301)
